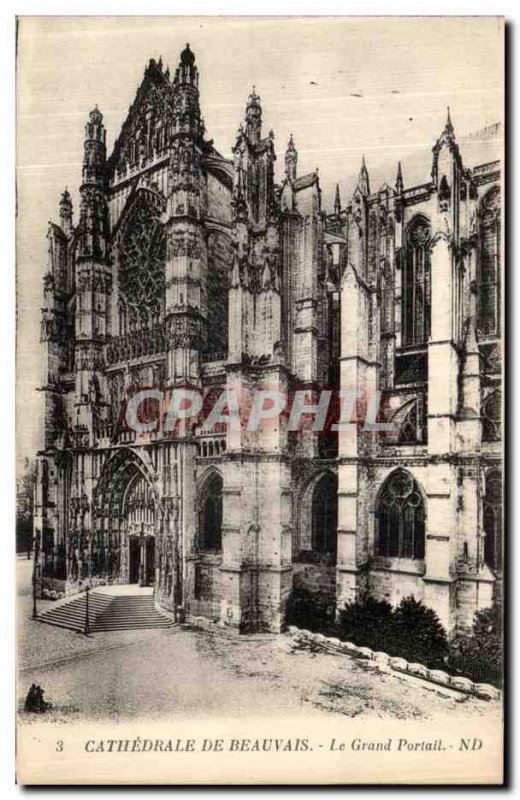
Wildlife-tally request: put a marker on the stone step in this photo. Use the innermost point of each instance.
(107, 612)
(129, 626)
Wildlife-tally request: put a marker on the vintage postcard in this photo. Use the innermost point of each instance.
(260, 313)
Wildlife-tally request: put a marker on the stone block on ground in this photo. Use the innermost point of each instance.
(439, 676)
(418, 669)
(399, 663)
(486, 691)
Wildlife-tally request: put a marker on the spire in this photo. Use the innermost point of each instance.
(449, 127)
(187, 57)
(66, 212)
(363, 181)
(94, 149)
(253, 117)
(186, 83)
(399, 185)
(446, 140)
(187, 73)
(93, 224)
(337, 202)
(291, 160)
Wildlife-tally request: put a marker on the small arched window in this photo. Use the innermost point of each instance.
(400, 516)
(210, 515)
(416, 286)
(489, 264)
(325, 514)
(492, 521)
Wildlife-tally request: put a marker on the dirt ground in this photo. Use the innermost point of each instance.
(188, 672)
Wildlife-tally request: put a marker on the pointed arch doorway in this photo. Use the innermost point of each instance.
(127, 517)
(138, 519)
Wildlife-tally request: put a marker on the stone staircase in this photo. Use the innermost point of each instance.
(70, 613)
(128, 612)
(107, 612)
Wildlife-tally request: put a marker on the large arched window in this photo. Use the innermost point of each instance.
(219, 259)
(416, 285)
(210, 515)
(492, 520)
(142, 255)
(489, 264)
(325, 514)
(400, 517)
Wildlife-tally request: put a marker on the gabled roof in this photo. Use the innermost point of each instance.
(155, 83)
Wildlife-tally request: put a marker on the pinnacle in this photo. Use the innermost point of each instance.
(187, 56)
(337, 200)
(399, 179)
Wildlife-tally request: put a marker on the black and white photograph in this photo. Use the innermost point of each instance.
(259, 380)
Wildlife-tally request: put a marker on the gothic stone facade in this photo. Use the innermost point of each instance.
(187, 268)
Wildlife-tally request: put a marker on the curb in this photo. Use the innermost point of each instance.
(385, 663)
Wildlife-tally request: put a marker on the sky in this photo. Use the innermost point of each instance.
(344, 87)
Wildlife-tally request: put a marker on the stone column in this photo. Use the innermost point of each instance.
(442, 354)
(354, 367)
(443, 365)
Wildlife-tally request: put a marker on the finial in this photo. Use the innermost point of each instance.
(254, 98)
(95, 115)
(187, 57)
(448, 120)
(364, 183)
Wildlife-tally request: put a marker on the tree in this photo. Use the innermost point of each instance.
(417, 633)
(367, 623)
(25, 505)
(310, 610)
(480, 654)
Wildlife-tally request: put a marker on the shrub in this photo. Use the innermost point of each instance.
(411, 631)
(480, 653)
(310, 610)
(367, 623)
(417, 633)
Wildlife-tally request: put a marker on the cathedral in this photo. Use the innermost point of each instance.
(186, 268)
